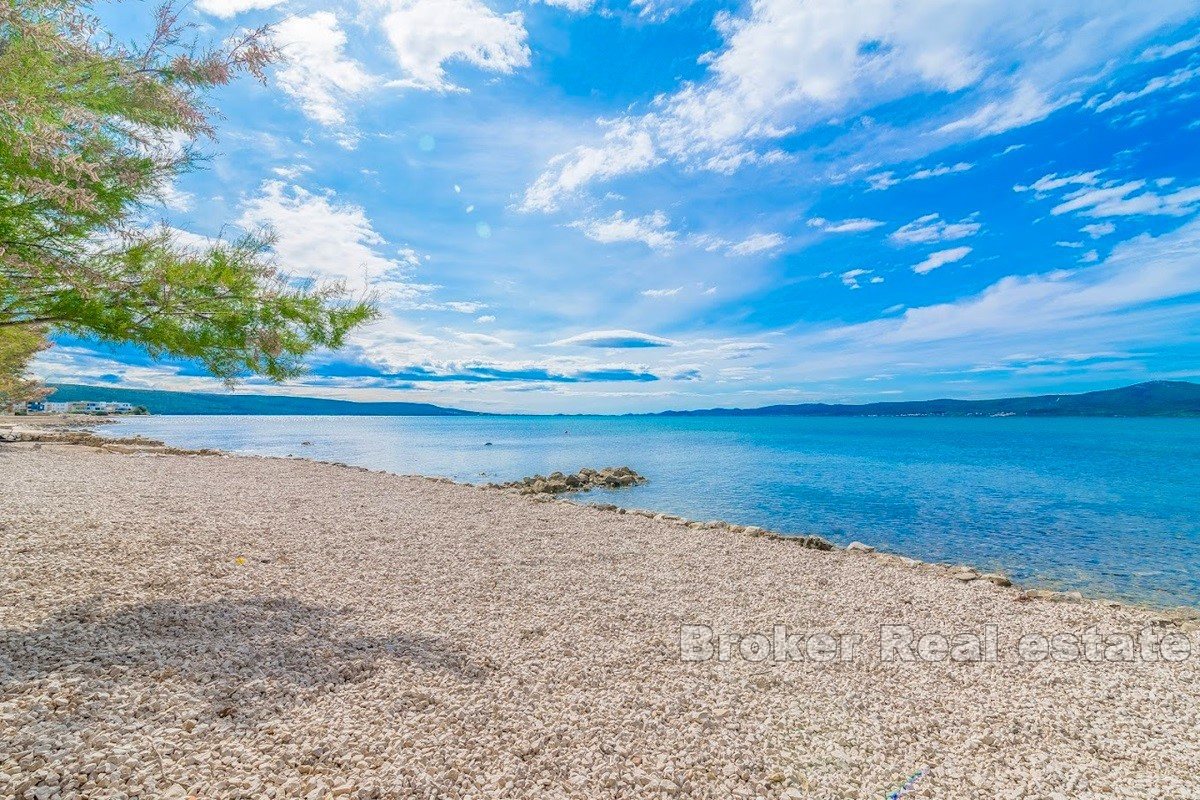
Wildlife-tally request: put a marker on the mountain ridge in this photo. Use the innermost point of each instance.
(168, 403)
(1149, 399)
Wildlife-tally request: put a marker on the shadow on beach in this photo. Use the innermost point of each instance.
(242, 658)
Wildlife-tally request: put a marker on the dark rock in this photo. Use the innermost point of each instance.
(581, 481)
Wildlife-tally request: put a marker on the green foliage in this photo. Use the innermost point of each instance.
(18, 345)
(91, 133)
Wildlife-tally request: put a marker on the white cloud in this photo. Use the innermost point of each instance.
(483, 340)
(1024, 105)
(1114, 198)
(856, 225)
(486, 318)
(175, 198)
(784, 67)
(882, 181)
(850, 278)
(1128, 199)
(229, 8)
(1099, 229)
(651, 230)
(428, 34)
(624, 150)
(614, 339)
(940, 259)
(316, 71)
(1156, 84)
(658, 10)
(662, 292)
(319, 237)
(570, 5)
(932, 228)
(1037, 314)
(940, 170)
(756, 243)
(1053, 181)
(1159, 52)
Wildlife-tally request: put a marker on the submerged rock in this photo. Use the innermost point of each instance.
(584, 480)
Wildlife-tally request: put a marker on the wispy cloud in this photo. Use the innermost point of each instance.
(619, 339)
(940, 259)
(932, 228)
(881, 181)
(855, 225)
(1114, 198)
(652, 230)
(1174, 80)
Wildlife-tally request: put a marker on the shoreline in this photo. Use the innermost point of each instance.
(76, 429)
(258, 626)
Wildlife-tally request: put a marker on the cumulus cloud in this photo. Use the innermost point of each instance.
(932, 228)
(426, 35)
(856, 225)
(318, 236)
(940, 259)
(316, 71)
(614, 339)
(652, 230)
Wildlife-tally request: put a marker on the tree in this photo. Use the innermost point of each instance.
(92, 133)
(18, 345)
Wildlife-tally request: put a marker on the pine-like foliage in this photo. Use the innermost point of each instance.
(92, 132)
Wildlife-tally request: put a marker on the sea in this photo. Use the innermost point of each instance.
(1110, 507)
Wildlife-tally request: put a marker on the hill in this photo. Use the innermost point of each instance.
(1152, 399)
(161, 402)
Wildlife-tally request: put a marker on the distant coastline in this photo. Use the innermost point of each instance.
(1150, 399)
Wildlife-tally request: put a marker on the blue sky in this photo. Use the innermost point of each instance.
(597, 205)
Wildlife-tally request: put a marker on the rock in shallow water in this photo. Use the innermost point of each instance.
(584, 480)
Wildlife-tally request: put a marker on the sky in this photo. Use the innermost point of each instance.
(635, 205)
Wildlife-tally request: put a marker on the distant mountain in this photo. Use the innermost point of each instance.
(1152, 399)
(194, 403)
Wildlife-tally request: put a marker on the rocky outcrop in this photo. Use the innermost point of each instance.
(84, 438)
(584, 480)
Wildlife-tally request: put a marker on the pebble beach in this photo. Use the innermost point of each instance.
(213, 626)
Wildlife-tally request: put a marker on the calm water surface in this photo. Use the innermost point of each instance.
(1111, 507)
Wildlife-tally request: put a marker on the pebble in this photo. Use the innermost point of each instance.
(392, 637)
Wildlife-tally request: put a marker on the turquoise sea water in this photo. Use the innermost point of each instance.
(1107, 506)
